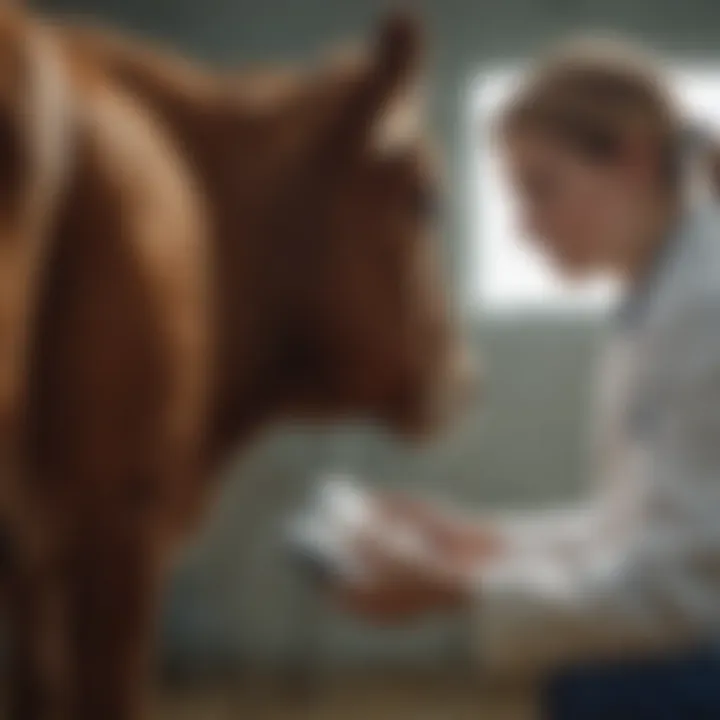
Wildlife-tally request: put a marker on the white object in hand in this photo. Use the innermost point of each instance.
(343, 511)
(326, 533)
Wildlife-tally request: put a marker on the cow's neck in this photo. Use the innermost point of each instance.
(263, 366)
(243, 135)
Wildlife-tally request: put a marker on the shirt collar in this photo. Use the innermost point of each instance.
(635, 305)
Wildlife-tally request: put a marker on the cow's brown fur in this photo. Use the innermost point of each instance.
(216, 252)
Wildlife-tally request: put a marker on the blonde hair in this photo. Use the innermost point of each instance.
(595, 95)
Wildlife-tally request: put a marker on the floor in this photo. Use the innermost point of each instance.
(364, 701)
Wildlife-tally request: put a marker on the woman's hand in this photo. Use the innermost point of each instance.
(450, 534)
(431, 572)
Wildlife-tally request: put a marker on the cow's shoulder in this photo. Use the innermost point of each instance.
(124, 324)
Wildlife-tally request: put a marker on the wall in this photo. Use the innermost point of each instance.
(234, 600)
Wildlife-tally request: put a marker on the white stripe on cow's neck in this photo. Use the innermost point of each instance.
(47, 113)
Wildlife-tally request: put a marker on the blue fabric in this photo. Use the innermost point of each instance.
(679, 688)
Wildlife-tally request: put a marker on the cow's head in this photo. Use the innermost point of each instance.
(371, 321)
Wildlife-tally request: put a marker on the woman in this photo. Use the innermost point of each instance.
(617, 603)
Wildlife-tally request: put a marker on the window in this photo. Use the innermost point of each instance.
(506, 274)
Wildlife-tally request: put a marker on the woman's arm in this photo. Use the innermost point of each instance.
(655, 587)
(553, 594)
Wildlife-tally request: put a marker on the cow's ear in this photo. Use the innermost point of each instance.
(393, 66)
(397, 55)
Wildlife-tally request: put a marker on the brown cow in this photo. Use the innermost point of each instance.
(185, 257)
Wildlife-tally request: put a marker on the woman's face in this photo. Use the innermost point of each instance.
(585, 214)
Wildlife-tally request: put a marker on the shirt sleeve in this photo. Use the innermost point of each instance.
(557, 530)
(575, 595)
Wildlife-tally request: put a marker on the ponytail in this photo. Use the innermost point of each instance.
(699, 155)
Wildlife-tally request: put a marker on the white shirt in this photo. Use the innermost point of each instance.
(637, 569)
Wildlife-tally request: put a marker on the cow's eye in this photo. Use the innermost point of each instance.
(426, 203)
